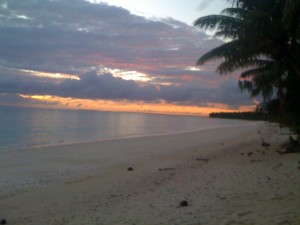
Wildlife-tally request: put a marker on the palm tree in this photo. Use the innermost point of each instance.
(291, 23)
(263, 37)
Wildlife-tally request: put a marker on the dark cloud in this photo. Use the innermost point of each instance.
(106, 86)
(64, 36)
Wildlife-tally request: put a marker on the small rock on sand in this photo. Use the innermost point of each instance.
(184, 203)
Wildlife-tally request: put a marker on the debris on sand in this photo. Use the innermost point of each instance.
(184, 203)
(264, 143)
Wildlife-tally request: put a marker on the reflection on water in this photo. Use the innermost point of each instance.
(23, 127)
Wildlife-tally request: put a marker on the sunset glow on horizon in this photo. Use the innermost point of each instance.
(56, 102)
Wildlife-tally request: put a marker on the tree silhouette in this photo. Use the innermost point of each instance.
(263, 39)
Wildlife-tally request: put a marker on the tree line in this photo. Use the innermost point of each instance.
(239, 115)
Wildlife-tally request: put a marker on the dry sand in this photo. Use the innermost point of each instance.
(225, 175)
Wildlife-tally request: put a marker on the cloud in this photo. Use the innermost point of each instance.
(77, 37)
(105, 86)
(72, 35)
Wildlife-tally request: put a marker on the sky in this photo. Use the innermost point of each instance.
(115, 55)
(183, 10)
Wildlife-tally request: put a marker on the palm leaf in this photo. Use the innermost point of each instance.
(232, 65)
(264, 83)
(263, 66)
(236, 54)
(259, 85)
(234, 12)
(214, 21)
(228, 51)
(254, 72)
(246, 85)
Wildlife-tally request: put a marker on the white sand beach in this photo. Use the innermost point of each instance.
(225, 176)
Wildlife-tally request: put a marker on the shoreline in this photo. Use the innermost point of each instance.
(62, 143)
(212, 170)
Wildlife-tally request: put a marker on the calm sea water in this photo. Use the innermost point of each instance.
(29, 127)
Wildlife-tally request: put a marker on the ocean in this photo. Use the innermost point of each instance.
(21, 128)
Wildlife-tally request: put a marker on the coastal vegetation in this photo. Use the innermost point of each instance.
(261, 39)
(239, 115)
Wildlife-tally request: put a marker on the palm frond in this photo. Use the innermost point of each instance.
(223, 51)
(246, 85)
(229, 66)
(261, 84)
(263, 66)
(253, 72)
(264, 83)
(214, 21)
(235, 12)
(236, 54)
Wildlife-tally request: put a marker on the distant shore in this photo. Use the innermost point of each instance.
(255, 116)
(216, 176)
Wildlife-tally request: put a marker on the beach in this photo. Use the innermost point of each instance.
(215, 176)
